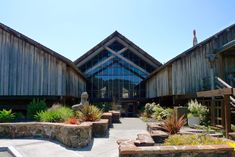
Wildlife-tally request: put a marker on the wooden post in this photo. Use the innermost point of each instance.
(223, 112)
(212, 107)
(227, 118)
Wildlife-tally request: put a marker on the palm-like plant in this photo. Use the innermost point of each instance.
(173, 125)
(89, 113)
(7, 116)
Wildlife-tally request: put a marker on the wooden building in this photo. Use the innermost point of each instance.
(115, 69)
(29, 69)
(195, 69)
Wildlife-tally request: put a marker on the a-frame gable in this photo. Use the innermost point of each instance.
(116, 44)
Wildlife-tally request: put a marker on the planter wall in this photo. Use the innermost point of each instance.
(115, 116)
(69, 135)
(107, 115)
(128, 149)
(100, 128)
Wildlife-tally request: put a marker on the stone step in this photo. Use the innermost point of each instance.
(144, 140)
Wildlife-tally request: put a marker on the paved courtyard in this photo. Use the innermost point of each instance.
(101, 147)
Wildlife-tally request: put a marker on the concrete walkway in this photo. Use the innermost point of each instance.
(101, 147)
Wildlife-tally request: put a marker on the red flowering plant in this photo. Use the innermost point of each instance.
(72, 120)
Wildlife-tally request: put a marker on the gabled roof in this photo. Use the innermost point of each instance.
(41, 47)
(130, 43)
(191, 50)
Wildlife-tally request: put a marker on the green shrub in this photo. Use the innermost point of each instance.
(157, 110)
(79, 115)
(34, 107)
(58, 114)
(153, 110)
(233, 127)
(161, 113)
(65, 112)
(194, 139)
(150, 108)
(196, 109)
(6, 116)
(104, 106)
(48, 116)
(89, 113)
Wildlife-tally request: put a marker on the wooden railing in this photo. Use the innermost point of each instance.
(222, 82)
(226, 85)
(221, 106)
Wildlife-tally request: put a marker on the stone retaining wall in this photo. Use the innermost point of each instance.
(69, 135)
(127, 148)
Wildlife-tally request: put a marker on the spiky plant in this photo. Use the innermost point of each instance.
(90, 113)
(173, 125)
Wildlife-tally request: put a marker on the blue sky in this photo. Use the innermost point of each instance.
(163, 28)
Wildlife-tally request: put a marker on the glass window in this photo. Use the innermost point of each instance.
(116, 78)
(116, 46)
(95, 60)
(137, 60)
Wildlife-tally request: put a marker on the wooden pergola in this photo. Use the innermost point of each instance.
(228, 100)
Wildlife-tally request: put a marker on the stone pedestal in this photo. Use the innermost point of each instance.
(108, 115)
(100, 128)
(180, 111)
(116, 116)
(144, 140)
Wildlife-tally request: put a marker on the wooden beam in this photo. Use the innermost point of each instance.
(232, 99)
(106, 60)
(223, 83)
(212, 107)
(217, 92)
(136, 52)
(128, 61)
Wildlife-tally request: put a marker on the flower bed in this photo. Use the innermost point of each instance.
(127, 148)
(67, 134)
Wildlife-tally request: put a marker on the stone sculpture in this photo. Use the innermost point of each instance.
(84, 97)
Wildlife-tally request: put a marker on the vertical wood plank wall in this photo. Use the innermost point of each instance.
(190, 72)
(26, 70)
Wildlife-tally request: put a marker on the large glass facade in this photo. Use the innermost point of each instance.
(115, 77)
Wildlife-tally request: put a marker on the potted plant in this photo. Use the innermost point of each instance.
(197, 113)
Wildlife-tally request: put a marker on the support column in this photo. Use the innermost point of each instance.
(227, 116)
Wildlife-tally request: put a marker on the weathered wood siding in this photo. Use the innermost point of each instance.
(26, 70)
(191, 70)
(190, 73)
(161, 82)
